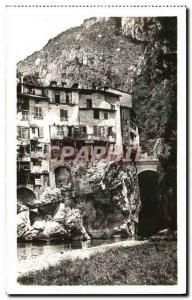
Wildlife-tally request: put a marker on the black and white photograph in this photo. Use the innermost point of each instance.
(97, 133)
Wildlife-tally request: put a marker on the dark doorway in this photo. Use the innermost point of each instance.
(25, 196)
(149, 218)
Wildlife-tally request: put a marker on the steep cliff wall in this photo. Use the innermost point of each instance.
(96, 52)
(101, 202)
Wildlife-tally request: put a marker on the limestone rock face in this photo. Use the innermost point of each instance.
(95, 52)
(140, 28)
(51, 230)
(51, 195)
(113, 189)
(103, 201)
(25, 231)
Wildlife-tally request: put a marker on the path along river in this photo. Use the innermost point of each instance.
(33, 257)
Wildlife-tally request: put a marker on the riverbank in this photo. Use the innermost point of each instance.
(38, 262)
(147, 263)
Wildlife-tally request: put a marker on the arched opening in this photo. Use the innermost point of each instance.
(149, 218)
(62, 177)
(25, 196)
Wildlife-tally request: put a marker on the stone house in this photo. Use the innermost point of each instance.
(51, 117)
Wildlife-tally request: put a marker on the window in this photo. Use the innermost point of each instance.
(106, 115)
(109, 129)
(83, 130)
(23, 133)
(57, 98)
(89, 103)
(33, 130)
(24, 115)
(41, 132)
(95, 130)
(38, 112)
(37, 101)
(68, 98)
(36, 163)
(70, 131)
(60, 130)
(112, 106)
(64, 115)
(96, 114)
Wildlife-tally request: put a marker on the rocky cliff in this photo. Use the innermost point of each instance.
(104, 201)
(96, 52)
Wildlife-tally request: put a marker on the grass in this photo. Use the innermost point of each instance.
(148, 264)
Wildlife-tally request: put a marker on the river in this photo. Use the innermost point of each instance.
(32, 249)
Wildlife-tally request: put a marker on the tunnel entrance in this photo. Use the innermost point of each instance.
(149, 218)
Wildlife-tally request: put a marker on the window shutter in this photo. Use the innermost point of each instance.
(61, 113)
(41, 132)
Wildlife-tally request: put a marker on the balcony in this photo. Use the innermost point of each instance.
(23, 166)
(41, 168)
(85, 137)
(23, 157)
(37, 154)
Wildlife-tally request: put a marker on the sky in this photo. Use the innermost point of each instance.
(31, 29)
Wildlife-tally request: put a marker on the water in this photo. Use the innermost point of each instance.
(30, 249)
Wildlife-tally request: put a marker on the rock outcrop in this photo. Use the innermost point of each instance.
(94, 53)
(103, 202)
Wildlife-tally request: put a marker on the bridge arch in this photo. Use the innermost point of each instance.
(25, 195)
(149, 218)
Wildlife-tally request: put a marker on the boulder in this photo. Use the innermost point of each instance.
(59, 213)
(50, 195)
(52, 230)
(25, 231)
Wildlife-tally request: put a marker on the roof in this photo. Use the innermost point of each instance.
(119, 90)
(33, 96)
(81, 90)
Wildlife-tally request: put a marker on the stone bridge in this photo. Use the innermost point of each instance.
(148, 164)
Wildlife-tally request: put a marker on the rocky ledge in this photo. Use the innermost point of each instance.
(103, 201)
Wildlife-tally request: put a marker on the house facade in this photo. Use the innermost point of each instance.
(52, 117)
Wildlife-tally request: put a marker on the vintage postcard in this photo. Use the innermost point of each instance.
(96, 149)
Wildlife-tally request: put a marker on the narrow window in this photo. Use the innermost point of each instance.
(89, 103)
(109, 129)
(95, 130)
(41, 132)
(24, 115)
(96, 114)
(23, 133)
(64, 115)
(57, 98)
(106, 115)
(38, 112)
(112, 106)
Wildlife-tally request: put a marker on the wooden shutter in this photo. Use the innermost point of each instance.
(41, 132)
